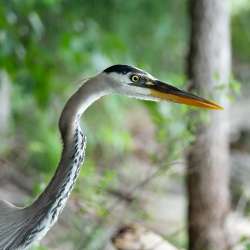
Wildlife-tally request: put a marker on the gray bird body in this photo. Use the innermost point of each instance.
(21, 227)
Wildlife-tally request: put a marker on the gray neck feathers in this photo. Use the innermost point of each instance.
(72, 136)
(19, 228)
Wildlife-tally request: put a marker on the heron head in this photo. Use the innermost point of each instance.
(134, 82)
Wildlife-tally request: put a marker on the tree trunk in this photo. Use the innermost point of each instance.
(4, 101)
(209, 64)
(137, 237)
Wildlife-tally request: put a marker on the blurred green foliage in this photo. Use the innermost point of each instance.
(47, 44)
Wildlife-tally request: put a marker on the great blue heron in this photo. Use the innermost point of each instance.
(20, 227)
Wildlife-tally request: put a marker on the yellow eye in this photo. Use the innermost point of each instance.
(135, 78)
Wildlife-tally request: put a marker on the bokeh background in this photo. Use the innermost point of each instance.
(134, 169)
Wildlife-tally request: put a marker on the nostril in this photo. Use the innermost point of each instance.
(149, 83)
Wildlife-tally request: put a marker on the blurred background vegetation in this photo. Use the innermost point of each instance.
(46, 47)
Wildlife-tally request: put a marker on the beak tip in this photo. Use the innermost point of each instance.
(218, 107)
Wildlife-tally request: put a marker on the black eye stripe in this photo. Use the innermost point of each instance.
(122, 69)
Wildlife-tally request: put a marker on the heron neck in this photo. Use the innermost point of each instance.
(74, 141)
(88, 93)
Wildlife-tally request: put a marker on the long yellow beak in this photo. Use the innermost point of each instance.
(164, 91)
